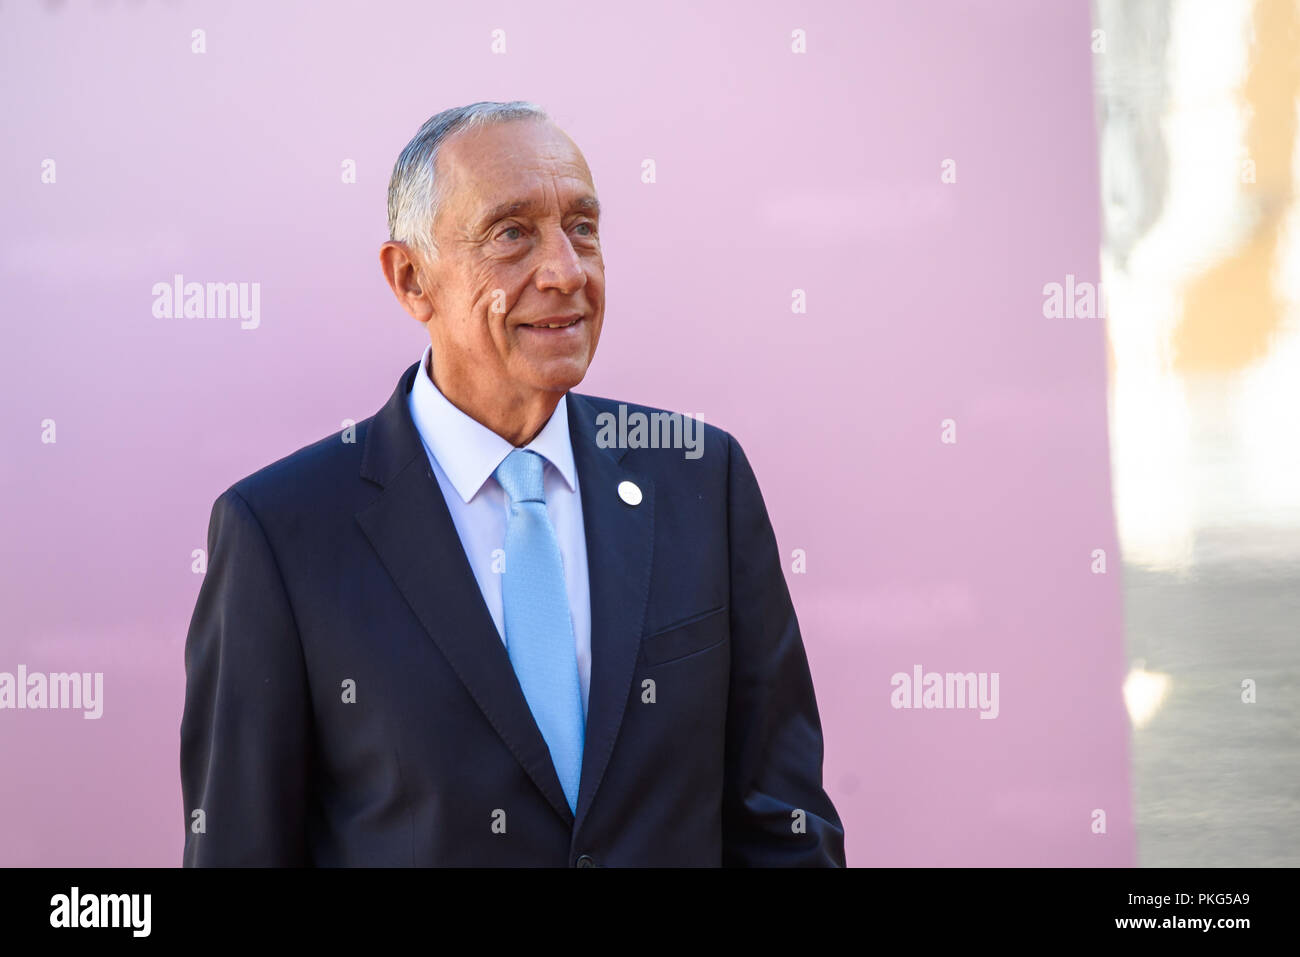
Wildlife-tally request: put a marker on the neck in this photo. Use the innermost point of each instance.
(516, 418)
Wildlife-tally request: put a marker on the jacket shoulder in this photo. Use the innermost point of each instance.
(331, 461)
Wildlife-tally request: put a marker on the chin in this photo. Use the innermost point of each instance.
(560, 377)
(563, 385)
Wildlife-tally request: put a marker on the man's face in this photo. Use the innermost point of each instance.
(517, 248)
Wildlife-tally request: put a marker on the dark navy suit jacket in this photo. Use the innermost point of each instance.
(350, 702)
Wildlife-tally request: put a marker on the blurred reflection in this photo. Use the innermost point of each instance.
(1201, 253)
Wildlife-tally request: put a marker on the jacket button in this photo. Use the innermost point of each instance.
(584, 861)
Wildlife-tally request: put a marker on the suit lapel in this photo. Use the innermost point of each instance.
(411, 529)
(620, 545)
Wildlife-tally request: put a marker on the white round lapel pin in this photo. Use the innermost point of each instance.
(629, 493)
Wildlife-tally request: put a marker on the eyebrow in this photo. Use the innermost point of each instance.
(586, 203)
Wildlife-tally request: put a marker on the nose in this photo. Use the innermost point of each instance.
(559, 268)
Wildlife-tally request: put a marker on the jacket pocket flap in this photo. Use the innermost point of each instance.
(685, 637)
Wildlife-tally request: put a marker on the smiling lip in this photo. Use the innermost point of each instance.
(553, 322)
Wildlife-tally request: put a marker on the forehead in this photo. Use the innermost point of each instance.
(519, 160)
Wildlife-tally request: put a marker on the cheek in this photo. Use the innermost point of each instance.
(494, 298)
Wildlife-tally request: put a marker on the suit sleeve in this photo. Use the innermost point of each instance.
(246, 728)
(774, 738)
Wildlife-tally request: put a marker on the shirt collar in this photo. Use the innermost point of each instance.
(467, 450)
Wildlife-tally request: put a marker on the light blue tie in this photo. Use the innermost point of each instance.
(539, 632)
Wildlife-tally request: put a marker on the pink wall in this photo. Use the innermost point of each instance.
(776, 171)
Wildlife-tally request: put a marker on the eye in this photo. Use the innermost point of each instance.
(590, 227)
(511, 229)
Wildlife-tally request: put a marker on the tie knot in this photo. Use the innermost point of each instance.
(520, 474)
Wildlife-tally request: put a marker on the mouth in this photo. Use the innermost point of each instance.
(553, 322)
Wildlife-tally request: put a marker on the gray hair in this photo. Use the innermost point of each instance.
(413, 193)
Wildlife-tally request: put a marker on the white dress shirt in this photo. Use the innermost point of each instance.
(464, 453)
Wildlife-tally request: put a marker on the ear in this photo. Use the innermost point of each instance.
(403, 268)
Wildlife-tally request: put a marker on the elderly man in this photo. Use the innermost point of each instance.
(493, 630)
